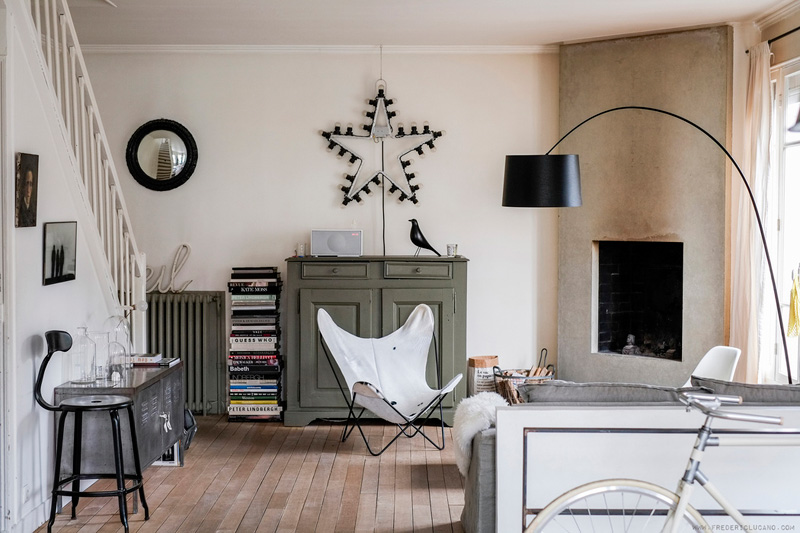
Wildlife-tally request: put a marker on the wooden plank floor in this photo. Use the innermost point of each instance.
(260, 477)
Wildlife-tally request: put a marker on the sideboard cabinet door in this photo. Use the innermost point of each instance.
(148, 431)
(397, 304)
(351, 310)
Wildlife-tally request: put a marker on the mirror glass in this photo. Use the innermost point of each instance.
(161, 155)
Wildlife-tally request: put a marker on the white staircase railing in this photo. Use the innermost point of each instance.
(67, 76)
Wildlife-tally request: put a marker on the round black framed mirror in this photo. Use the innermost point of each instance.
(161, 155)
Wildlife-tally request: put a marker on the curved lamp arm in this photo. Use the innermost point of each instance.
(749, 192)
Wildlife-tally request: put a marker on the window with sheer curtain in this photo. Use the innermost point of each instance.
(785, 217)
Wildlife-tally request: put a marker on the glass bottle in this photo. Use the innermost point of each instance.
(83, 358)
(100, 339)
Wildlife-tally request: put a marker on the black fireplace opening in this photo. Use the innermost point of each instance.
(640, 298)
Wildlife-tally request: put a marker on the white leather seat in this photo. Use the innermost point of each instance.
(718, 363)
(387, 375)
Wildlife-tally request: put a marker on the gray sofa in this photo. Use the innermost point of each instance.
(478, 515)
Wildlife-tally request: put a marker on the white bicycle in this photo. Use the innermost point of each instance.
(629, 505)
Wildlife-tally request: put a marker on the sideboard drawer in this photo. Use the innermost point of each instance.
(421, 270)
(335, 271)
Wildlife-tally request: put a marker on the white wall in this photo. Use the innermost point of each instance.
(264, 178)
(32, 307)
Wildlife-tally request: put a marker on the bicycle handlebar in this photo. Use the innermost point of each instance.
(712, 398)
(708, 404)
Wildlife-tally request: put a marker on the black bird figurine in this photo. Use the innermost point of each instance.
(419, 239)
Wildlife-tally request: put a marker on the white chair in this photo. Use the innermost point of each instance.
(387, 375)
(718, 363)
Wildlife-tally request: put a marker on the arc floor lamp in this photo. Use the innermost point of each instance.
(554, 181)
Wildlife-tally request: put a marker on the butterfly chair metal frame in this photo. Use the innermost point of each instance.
(410, 428)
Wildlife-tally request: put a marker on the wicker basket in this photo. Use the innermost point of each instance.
(507, 381)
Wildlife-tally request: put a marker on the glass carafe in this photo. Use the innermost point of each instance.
(119, 331)
(83, 358)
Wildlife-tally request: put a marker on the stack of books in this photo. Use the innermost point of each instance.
(255, 365)
(153, 360)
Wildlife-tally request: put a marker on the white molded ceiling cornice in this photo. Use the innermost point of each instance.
(779, 14)
(305, 49)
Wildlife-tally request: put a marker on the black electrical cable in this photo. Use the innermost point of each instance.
(383, 199)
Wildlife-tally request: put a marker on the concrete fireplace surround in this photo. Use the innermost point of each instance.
(645, 177)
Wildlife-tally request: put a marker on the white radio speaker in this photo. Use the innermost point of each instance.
(336, 242)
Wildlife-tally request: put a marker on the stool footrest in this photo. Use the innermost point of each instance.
(97, 493)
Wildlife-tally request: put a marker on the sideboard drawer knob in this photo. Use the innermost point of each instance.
(335, 270)
(418, 270)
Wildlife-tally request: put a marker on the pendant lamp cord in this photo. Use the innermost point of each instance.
(383, 170)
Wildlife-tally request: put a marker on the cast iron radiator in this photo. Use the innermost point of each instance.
(191, 326)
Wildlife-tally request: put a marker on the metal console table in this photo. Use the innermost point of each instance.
(157, 395)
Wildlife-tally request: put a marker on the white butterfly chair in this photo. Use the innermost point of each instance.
(718, 363)
(387, 375)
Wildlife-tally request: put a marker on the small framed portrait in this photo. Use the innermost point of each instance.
(27, 186)
(60, 240)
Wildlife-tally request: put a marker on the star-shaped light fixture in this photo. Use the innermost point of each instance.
(380, 130)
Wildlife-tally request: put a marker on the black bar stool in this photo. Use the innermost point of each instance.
(61, 341)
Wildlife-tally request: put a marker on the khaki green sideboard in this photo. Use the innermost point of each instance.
(370, 296)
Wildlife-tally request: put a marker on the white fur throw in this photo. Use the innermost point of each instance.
(473, 414)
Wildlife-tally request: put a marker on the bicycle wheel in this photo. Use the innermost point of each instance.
(613, 505)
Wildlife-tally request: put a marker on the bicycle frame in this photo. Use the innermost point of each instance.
(706, 438)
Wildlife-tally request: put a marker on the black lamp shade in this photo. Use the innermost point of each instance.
(542, 181)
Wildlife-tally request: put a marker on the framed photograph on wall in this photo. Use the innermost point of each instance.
(60, 242)
(27, 187)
